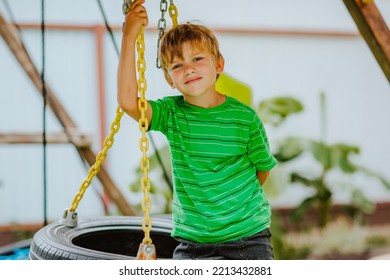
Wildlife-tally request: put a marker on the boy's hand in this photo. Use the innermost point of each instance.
(135, 18)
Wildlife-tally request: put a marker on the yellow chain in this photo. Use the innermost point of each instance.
(143, 125)
(173, 13)
(94, 170)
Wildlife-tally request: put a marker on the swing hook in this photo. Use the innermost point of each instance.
(146, 252)
(69, 218)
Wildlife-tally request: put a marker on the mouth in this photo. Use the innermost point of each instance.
(193, 80)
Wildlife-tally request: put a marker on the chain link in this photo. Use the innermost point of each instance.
(173, 13)
(100, 158)
(126, 6)
(161, 26)
(162, 23)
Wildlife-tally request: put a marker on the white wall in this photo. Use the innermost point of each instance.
(358, 94)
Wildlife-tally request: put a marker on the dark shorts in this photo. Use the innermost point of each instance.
(255, 247)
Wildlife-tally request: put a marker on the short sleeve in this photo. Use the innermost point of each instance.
(258, 146)
(159, 117)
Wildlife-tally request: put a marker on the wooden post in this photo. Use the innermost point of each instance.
(374, 30)
(11, 37)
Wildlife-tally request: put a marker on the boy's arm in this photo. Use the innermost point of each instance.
(127, 88)
(262, 176)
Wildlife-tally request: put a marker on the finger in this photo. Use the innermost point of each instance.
(141, 14)
(136, 4)
(138, 9)
(138, 12)
(143, 17)
(146, 20)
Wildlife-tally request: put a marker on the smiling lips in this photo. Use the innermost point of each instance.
(190, 81)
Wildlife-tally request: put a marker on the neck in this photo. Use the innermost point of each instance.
(206, 101)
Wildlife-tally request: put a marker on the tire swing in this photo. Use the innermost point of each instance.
(110, 238)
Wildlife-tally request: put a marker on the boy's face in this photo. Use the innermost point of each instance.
(195, 73)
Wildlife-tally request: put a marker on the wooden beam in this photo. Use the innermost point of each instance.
(80, 140)
(13, 40)
(232, 31)
(11, 37)
(374, 30)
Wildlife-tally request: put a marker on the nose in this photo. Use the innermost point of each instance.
(189, 69)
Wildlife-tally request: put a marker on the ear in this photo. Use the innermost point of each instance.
(220, 65)
(169, 81)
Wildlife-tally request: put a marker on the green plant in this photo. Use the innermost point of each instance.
(335, 157)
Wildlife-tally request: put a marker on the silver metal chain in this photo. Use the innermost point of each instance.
(161, 26)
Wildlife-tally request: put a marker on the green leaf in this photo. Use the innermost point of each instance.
(340, 157)
(333, 156)
(320, 152)
(275, 110)
(288, 149)
(298, 178)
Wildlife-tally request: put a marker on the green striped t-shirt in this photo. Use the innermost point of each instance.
(215, 154)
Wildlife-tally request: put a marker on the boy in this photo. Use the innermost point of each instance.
(219, 148)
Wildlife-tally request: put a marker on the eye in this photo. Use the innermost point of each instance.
(198, 58)
(176, 66)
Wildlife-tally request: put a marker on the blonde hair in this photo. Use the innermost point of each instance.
(198, 36)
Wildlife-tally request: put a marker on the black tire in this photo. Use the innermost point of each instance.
(100, 238)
